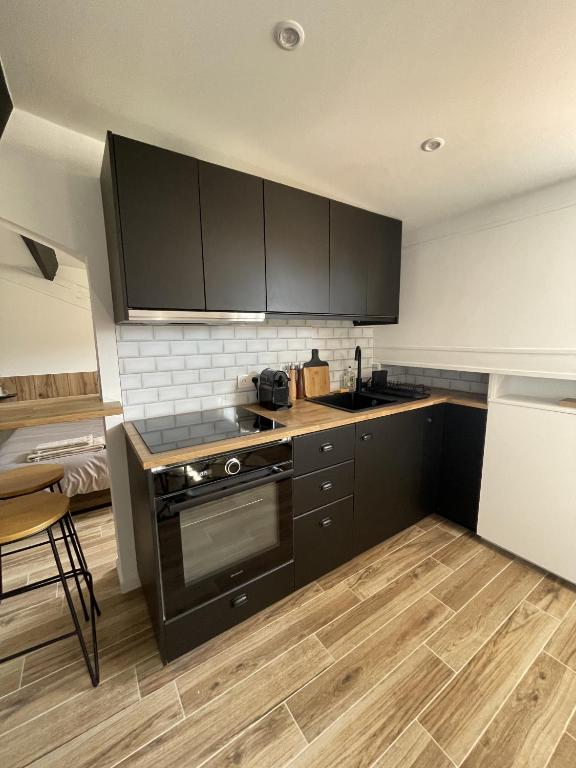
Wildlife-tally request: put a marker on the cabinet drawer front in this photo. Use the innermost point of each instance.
(323, 449)
(323, 487)
(323, 539)
(195, 627)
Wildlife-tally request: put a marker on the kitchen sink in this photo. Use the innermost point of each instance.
(355, 401)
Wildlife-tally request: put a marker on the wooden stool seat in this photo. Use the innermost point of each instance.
(30, 514)
(23, 480)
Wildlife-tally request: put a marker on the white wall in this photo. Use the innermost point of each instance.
(50, 191)
(45, 326)
(494, 290)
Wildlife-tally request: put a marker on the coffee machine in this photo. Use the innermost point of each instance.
(273, 390)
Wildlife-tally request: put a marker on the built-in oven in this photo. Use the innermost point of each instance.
(221, 522)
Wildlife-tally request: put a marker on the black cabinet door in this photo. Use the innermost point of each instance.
(323, 539)
(364, 262)
(390, 487)
(297, 250)
(384, 242)
(462, 457)
(348, 259)
(233, 239)
(160, 223)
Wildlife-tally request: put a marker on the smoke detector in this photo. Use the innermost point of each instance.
(289, 35)
(431, 145)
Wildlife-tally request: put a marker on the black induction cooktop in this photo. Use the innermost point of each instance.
(167, 433)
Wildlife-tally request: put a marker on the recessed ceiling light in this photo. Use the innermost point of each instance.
(289, 35)
(431, 145)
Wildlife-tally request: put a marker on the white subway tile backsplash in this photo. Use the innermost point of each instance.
(188, 368)
(220, 332)
(199, 361)
(128, 349)
(244, 332)
(168, 332)
(173, 393)
(222, 361)
(153, 410)
(134, 332)
(186, 377)
(183, 347)
(141, 396)
(170, 363)
(223, 387)
(211, 347)
(257, 345)
(163, 379)
(237, 345)
(131, 381)
(132, 412)
(200, 390)
(267, 332)
(248, 358)
(212, 374)
(137, 364)
(196, 332)
(267, 358)
(155, 348)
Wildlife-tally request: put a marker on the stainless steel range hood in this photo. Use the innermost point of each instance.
(167, 316)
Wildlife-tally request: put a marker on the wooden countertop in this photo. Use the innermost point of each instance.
(304, 417)
(54, 410)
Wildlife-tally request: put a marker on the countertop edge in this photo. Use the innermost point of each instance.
(332, 418)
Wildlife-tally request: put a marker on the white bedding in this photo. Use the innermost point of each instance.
(83, 472)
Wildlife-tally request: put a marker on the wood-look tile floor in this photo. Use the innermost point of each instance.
(431, 650)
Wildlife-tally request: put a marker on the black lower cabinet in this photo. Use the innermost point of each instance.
(461, 466)
(392, 477)
(323, 539)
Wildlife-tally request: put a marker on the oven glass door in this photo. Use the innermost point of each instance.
(217, 542)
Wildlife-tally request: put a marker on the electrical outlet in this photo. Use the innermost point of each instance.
(245, 382)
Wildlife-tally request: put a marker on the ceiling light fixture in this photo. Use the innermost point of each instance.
(289, 35)
(431, 145)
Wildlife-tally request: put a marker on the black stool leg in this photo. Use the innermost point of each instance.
(73, 567)
(93, 670)
(69, 523)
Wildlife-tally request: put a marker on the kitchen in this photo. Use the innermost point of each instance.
(410, 514)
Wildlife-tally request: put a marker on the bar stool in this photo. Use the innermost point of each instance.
(22, 481)
(34, 513)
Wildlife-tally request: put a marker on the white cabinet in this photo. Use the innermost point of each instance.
(528, 496)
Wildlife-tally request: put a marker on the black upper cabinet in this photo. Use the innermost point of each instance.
(159, 209)
(233, 239)
(384, 238)
(462, 458)
(297, 250)
(186, 236)
(364, 262)
(390, 486)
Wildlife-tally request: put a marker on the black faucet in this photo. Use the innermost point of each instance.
(358, 357)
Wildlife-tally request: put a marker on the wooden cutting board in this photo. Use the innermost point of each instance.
(568, 402)
(316, 374)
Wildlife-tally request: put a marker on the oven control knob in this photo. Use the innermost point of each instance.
(232, 466)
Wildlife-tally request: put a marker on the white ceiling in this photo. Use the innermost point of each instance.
(344, 115)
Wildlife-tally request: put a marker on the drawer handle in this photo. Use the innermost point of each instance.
(326, 522)
(326, 485)
(239, 600)
(366, 436)
(326, 447)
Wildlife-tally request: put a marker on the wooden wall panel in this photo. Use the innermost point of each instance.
(52, 385)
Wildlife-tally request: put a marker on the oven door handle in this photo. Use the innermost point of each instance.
(198, 495)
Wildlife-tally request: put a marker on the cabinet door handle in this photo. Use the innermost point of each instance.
(239, 600)
(326, 485)
(326, 447)
(326, 522)
(366, 436)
